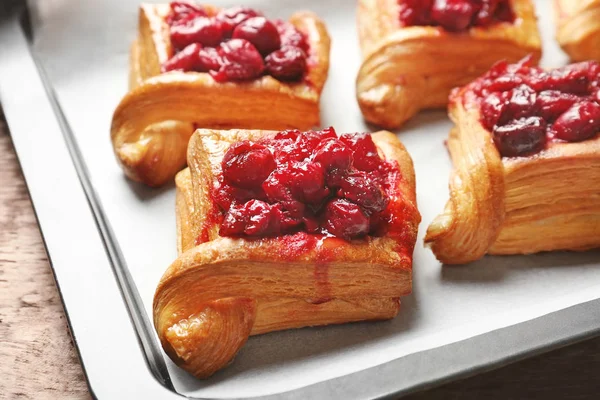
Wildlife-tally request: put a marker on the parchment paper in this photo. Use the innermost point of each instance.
(84, 45)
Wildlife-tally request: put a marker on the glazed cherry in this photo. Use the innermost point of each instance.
(182, 12)
(362, 190)
(333, 154)
(346, 220)
(240, 61)
(578, 123)
(520, 137)
(185, 60)
(526, 106)
(366, 157)
(286, 64)
(208, 60)
(247, 165)
(453, 15)
(290, 36)
(233, 16)
(203, 30)
(551, 104)
(261, 32)
(283, 184)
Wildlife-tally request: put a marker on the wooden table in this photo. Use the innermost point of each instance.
(38, 360)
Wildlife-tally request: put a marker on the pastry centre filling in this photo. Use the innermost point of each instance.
(315, 182)
(455, 15)
(525, 106)
(234, 44)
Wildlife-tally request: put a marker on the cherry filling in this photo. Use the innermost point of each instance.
(314, 182)
(455, 15)
(235, 44)
(525, 107)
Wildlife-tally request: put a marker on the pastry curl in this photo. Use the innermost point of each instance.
(220, 290)
(515, 205)
(407, 69)
(578, 28)
(152, 124)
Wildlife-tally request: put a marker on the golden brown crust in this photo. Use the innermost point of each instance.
(578, 28)
(402, 71)
(520, 205)
(183, 99)
(361, 280)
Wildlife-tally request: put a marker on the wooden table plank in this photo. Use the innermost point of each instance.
(38, 360)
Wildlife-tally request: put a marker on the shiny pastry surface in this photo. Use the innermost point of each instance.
(518, 189)
(222, 288)
(578, 28)
(153, 122)
(401, 72)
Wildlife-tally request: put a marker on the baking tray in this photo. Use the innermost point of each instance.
(110, 240)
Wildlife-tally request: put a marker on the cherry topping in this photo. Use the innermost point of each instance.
(208, 60)
(520, 137)
(521, 102)
(366, 157)
(239, 61)
(233, 16)
(578, 123)
(552, 103)
(283, 185)
(203, 30)
(261, 32)
(346, 220)
(415, 12)
(290, 36)
(186, 60)
(286, 64)
(453, 15)
(492, 107)
(362, 190)
(247, 165)
(182, 12)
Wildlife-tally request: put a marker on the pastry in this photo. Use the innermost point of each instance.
(416, 51)
(526, 155)
(203, 66)
(578, 28)
(319, 231)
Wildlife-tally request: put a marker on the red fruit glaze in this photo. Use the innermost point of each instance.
(578, 123)
(278, 44)
(261, 32)
(525, 107)
(240, 61)
(282, 185)
(454, 15)
(286, 64)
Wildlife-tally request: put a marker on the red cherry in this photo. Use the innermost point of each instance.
(247, 165)
(521, 137)
(233, 16)
(185, 60)
(578, 123)
(453, 15)
(345, 220)
(333, 154)
(364, 191)
(552, 103)
(239, 61)
(290, 35)
(260, 32)
(208, 60)
(366, 157)
(286, 64)
(203, 30)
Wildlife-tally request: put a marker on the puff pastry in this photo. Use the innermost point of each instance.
(152, 124)
(407, 69)
(221, 289)
(578, 28)
(545, 201)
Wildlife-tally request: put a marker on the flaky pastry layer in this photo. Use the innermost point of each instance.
(267, 284)
(519, 205)
(407, 69)
(154, 121)
(578, 28)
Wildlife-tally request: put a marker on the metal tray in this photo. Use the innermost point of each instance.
(110, 240)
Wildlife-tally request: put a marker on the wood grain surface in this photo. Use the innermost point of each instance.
(38, 360)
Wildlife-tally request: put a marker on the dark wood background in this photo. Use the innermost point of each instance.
(38, 360)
